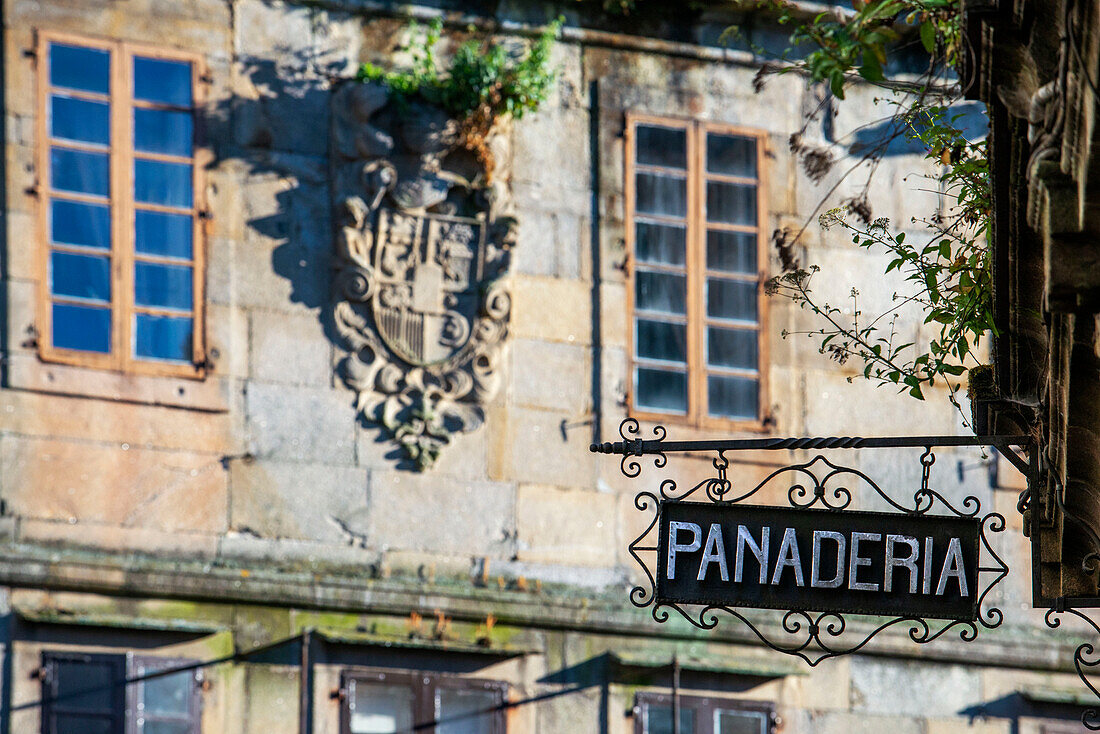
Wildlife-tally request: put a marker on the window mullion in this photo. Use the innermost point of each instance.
(696, 277)
(124, 232)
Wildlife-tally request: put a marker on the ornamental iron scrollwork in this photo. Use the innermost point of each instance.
(1085, 657)
(818, 483)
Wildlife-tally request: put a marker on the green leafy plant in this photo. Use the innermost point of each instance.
(483, 82)
(948, 275)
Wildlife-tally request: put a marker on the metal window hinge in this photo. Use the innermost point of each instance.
(30, 53)
(206, 78)
(206, 215)
(339, 694)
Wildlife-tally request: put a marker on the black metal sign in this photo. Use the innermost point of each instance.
(828, 561)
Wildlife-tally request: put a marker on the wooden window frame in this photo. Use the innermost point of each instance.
(122, 207)
(424, 686)
(696, 130)
(707, 705)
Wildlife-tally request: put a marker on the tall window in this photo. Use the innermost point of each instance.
(394, 703)
(117, 694)
(695, 214)
(122, 258)
(699, 715)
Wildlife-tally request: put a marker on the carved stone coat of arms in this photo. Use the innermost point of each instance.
(424, 244)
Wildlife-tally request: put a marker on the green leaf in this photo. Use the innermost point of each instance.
(928, 36)
(871, 70)
(915, 392)
(836, 84)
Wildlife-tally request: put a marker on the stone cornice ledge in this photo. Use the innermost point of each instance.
(605, 613)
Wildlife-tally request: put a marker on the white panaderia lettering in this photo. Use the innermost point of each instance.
(674, 547)
(953, 568)
(894, 561)
(714, 551)
(760, 550)
(815, 562)
(855, 560)
(788, 558)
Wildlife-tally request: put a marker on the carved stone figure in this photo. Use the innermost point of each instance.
(424, 244)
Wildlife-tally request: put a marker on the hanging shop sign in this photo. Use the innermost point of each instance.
(829, 561)
(711, 550)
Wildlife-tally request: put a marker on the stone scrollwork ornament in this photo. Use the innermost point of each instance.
(424, 243)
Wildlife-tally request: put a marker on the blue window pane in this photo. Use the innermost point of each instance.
(661, 340)
(80, 68)
(735, 348)
(661, 146)
(660, 292)
(162, 131)
(80, 276)
(731, 203)
(162, 286)
(80, 119)
(78, 171)
(731, 155)
(660, 194)
(81, 327)
(162, 337)
(158, 233)
(731, 252)
(659, 720)
(732, 397)
(162, 183)
(77, 223)
(731, 299)
(660, 243)
(156, 80)
(660, 390)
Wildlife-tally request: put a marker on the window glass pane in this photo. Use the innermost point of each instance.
(154, 726)
(660, 390)
(77, 223)
(465, 712)
(659, 720)
(740, 722)
(80, 119)
(731, 299)
(731, 203)
(80, 327)
(159, 233)
(156, 182)
(80, 68)
(162, 131)
(156, 80)
(732, 348)
(731, 155)
(80, 276)
(660, 292)
(731, 252)
(732, 397)
(167, 694)
(87, 686)
(661, 146)
(660, 194)
(82, 724)
(661, 340)
(659, 243)
(162, 337)
(381, 709)
(76, 170)
(84, 328)
(166, 286)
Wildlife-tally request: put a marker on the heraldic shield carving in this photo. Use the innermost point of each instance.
(424, 243)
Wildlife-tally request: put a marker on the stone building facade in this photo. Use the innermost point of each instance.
(247, 437)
